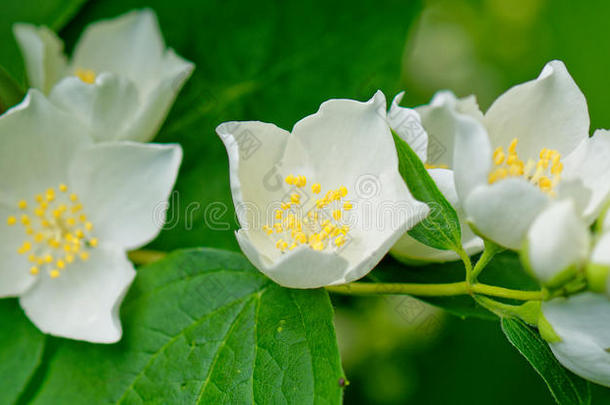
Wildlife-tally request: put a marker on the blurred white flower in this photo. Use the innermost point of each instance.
(71, 209)
(121, 80)
(311, 220)
(531, 148)
(582, 322)
(557, 244)
(436, 151)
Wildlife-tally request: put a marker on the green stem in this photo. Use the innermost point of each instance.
(143, 256)
(434, 290)
(467, 263)
(491, 249)
(422, 290)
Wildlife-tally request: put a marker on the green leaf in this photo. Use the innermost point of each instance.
(21, 347)
(203, 326)
(10, 92)
(441, 229)
(279, 60)
(504, 270)
(52, 13)
(566, 387)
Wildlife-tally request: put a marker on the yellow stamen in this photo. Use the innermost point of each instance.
(86, 75)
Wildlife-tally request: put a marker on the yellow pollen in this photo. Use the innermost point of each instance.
(49, 232)
(544, 173)
(314, 223)
(86, 75)
(434, 166)
(498, 156)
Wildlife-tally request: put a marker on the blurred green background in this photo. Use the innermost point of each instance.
(276, 61)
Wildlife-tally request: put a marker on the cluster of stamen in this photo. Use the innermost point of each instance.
(57, 231)
(318, 225)
(86, 75)
(545, 173)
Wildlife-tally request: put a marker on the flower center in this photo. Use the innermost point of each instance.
(432, 166)
(86, 75)
(317, 224)
(57, 231)
(545, 173)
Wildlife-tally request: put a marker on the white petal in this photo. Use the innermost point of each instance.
(37, 143)
(301, 268)
(504, 211)
(590, 164)
(124, 188)
(557, 243)
(83, 302)
(471, 155)
(407, 124)
(408, 249)
(254, 149)
(601, 251)
(15, 276)
(42, 50)
(549, 112)
(583, 324)
(130, 46)
(173, 73)
(441, 119)
(106, 107)
(343, 140)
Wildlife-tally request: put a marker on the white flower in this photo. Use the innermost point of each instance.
(436, 151)
(71, 209)
(323, 204)
(598, 268)
(531, 148)
(121, 80)
(558, 244)
(582, 322)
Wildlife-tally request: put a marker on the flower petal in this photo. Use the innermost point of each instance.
(15, 277)
(504, 211)
(590, 165)
(601, 251)
(342, 141)
(548, 112)
(583, 324)
(441, 119)
(301, 268)
(83, 302)
(173, 73)
(407, 124)
(130, 46)
(105, 107)
(254, 149)
(557, 243)
(124, 189)
(37, 144)
(471, 155)
(42, 50)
